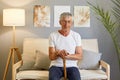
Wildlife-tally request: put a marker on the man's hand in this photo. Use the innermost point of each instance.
(62, 53)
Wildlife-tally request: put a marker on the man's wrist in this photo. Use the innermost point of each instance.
(57, 53)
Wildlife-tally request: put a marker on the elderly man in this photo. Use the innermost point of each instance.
(64, 44)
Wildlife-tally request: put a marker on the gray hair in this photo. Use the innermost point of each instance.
(65, 14)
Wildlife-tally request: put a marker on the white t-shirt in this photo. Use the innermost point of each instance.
(67, 43)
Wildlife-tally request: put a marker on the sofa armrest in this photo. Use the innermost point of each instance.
(106, 66)
(15, 67)
(18, 64)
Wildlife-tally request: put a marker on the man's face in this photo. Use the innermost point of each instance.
(66, 22)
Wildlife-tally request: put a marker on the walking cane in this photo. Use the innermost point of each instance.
(65, 72)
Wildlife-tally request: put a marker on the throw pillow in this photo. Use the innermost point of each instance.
(42, 61)
(90, 60)
(28, 62)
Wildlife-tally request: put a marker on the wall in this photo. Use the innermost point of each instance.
(96, 30)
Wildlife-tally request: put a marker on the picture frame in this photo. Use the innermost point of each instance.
(41, 16)
(81, 16)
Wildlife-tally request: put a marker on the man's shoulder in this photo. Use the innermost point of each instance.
(74, 33)
(54, 33)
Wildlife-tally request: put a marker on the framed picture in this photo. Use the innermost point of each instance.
(41, 16)
(57, 11)
(81, 16)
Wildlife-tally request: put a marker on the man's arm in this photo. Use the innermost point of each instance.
(52, 53)
(77, 55)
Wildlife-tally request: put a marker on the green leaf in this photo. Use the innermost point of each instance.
(110, 25)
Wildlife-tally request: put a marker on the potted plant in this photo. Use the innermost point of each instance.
(112, 26)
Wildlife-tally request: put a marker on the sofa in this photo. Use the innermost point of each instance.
(35, 61)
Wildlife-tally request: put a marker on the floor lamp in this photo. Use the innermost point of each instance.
(13, 17)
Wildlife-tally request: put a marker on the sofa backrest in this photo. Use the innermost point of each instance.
(90, 44)
(32, 44)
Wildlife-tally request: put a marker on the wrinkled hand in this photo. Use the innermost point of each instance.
(63, 53)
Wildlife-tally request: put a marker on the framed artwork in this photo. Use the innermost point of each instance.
(41, 16)
(81, 16)
(57, 11)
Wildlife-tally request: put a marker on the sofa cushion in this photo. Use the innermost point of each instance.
(90, 60)
(30, 45)
(42, 61)
(28, 61)
(32, 74)
(93, 74)
(43, 75)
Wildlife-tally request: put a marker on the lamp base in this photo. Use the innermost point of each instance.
(11, 54)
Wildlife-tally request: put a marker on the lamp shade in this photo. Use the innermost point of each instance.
(14, 17)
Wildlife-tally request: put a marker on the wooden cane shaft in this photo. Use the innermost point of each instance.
(65, 72)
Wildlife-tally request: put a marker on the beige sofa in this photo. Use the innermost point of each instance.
(35, 61)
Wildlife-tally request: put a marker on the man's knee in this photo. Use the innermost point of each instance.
(54, 73)
(73, 73)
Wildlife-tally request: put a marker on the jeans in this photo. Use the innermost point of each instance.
(56, 73)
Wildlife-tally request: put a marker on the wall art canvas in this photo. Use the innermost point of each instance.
(57, 11)
(81, 16)
(41, 16)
